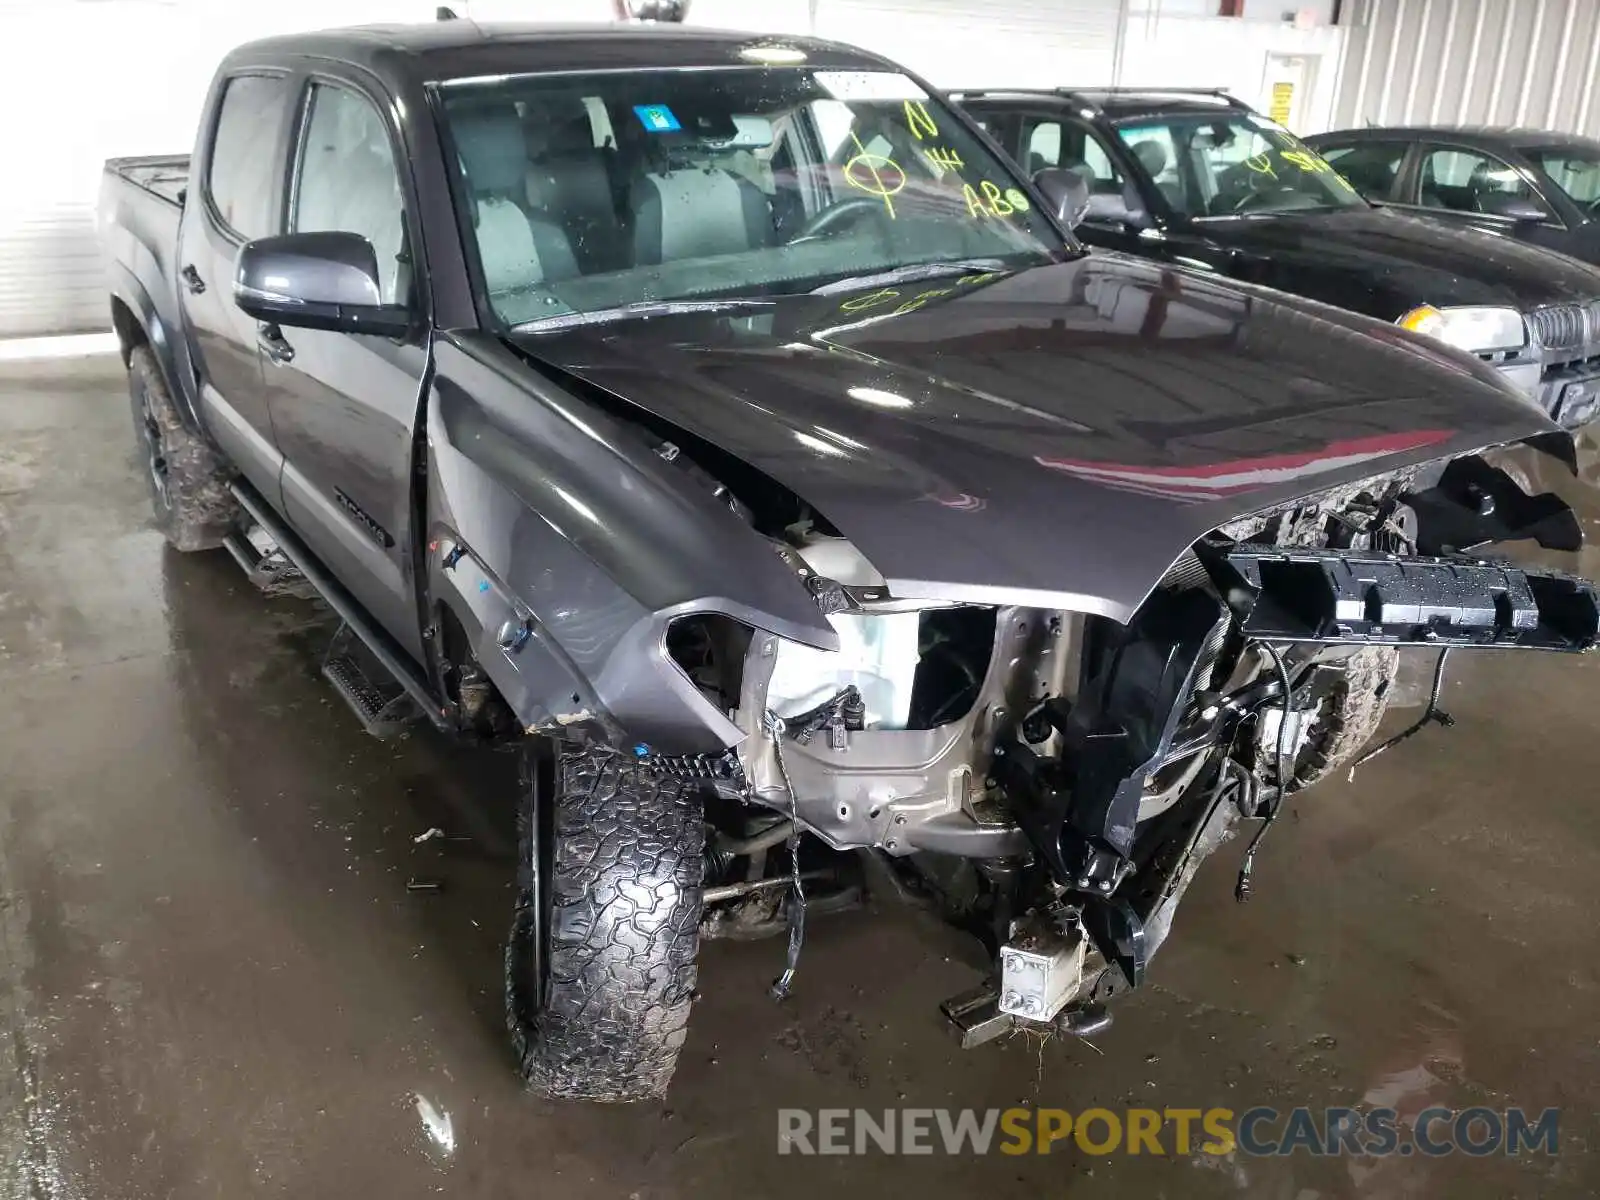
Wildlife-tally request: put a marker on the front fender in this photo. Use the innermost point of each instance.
(548, 515)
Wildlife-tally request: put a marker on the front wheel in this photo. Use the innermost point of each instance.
(1349, 710)
(600, 964)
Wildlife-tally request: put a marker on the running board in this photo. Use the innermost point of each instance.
(384, 708)
(1336, 596)
(387, 654)
(269, 569)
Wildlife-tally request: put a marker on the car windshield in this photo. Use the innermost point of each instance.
(592, 193)
(1574, 170)
(1233, 164)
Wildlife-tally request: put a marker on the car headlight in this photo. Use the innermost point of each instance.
(1476, 330)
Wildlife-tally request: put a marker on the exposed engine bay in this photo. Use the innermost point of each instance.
(1052, 780)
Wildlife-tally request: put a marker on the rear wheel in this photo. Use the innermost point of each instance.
(188, 480)
(600, 964)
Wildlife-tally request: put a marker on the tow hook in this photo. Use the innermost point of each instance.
(1041, 976)
(976, 1019)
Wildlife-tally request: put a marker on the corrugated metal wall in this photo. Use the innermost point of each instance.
(1477, 62)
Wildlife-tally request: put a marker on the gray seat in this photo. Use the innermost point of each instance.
(519, 251)
(1152, 156)
(697, 212)
(568, 183)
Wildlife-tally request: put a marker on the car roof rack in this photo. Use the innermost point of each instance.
(1085, 95)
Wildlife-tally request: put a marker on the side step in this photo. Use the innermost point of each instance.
(381, 657)
(266, 565)
(381, 704)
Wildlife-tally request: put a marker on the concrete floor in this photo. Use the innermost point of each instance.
(215, 983)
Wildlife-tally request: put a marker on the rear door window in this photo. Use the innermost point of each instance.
(244, 176)
(1468, 180)
(1369, 167)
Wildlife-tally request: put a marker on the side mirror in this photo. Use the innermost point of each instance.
(1115, 209)
(1521, 209)
(316, 281)
(1065, 191)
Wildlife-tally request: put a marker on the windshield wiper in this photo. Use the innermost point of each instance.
(639, 308)
(927, 270)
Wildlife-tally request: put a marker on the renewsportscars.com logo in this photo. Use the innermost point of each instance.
(1256, 1132)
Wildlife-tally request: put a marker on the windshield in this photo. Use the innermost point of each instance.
(592, 192)
(1233, 165)
(1575, 171)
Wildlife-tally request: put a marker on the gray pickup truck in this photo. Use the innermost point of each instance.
(723, 421)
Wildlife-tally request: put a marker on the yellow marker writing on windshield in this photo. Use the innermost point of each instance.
(918, 120)
(1304, 159)
(875, 174)
(988, 200)
(1261, 164)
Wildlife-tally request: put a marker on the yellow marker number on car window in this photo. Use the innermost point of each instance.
(1261, 164)
(1304, 159)
(875, 174)
(988, 200)
(919, 122)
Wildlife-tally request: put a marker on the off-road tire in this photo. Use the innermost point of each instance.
(193, 507)
(610, 866)
(1351, 711)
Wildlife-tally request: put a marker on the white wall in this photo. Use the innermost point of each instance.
(1164, 49)
(765, 16)
(1319, 11)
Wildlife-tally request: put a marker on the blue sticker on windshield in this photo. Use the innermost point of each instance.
(657, 118)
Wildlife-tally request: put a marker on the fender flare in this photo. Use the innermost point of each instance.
(171, 354)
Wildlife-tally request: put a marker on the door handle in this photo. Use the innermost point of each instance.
(273, 344)
(192, 280)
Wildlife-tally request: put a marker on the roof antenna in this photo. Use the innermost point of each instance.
(443, 13)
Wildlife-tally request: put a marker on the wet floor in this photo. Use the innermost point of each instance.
(215, 983)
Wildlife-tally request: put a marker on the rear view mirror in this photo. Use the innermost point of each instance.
(316, 281)
(1066, 192)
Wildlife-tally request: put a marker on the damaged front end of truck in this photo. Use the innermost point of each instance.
(1052, 779)
(1015, 606)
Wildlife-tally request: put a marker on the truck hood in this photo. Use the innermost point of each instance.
(1055, 437)
(1378, 261)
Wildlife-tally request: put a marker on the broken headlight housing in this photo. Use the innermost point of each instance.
(878, 654)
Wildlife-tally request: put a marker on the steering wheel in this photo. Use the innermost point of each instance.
(835, 215)
(1262, 197)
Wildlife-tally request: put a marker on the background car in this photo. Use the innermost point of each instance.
(1197, 179)
(1531, 184)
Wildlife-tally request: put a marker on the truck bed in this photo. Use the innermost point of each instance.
(165, 176)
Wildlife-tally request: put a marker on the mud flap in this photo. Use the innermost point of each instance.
(1118, 934)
